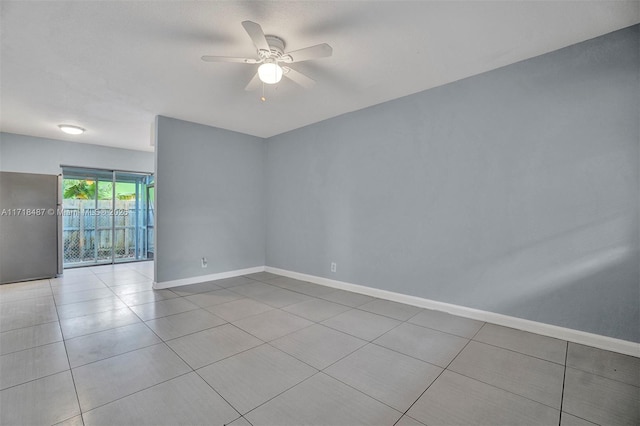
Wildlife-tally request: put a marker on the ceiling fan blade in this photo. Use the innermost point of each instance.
(257, 35)
(318, 51)
(254, 83)
(298, 78)
(208, 58)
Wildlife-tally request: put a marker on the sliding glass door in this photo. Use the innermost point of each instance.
(105, 216)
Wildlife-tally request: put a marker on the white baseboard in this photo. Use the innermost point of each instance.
(571, 335)
(205, 278)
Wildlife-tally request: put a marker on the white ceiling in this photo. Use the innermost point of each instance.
(111, 66)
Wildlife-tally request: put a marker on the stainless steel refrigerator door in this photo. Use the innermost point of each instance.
(28, 226)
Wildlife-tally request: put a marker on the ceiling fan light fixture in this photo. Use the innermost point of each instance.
(71, 129)
(270, 73)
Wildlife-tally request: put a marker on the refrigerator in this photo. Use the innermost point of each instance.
(30, 226)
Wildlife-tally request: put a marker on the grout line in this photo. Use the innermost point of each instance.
(34, 380)
(364, 393)
(64, 342)
(116, 355)
(504, 390)
(288, 389)
(601, 376)
(34, 325)
(208, 384)
(518, 352)
(491, 384)
(436, 379)
(564, 378)
(133, 393)
(190, 333)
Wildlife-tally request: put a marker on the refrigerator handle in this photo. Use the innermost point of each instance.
(58, 214)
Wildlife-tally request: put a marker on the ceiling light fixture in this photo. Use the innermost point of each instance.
(71, 129)
(270, 73)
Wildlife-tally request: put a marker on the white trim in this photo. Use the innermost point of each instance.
(571, 335)
(205, 278)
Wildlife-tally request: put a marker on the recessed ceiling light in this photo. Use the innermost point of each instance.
(71, 129)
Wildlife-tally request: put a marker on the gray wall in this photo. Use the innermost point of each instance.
(209, 200)
(514, 191)
(29, 154)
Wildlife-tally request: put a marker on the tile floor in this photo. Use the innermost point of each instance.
(100, 347)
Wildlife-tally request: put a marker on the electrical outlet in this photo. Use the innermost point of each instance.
(203, 262)
(334, 266)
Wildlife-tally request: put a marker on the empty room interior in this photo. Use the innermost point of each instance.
(320, 213)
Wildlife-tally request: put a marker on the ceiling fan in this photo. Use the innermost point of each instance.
(272, 58)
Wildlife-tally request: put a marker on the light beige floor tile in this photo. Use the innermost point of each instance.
(253, 377)
(73, 280)
(72, 310)
(423, 343)
(208, 346)
(241, 421)
(79, 326)
(611, 365)
(45, 401)
(73, 421)
(272, 324)
(80, 286)
(316, 309)
(318, 346)
(232, 282)
(123, 289)
(82, 296)
(458, 400)
(364, 325)
(105, 344)
(30, 364)
(309, 289)
(21, 286)
(77, 272)
(27, 313)
(185, 400)
(122, 277)
(543, 347)
(567, 419)
(148, 296)
(386, 375)
(442, 321)
(113, 378)
(178, 325)
(30, 305)
(347, 298)
(530, 377)
(252, 289)
(280, 297)
(29, 337)
(395, 310)
(215, 297)
(186, 290)
(13, 296)
(600, 400)
(320, 400)
(238, 309)
(408, 421)
(163, 308)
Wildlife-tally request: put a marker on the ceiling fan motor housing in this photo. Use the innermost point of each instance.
(276, 45)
